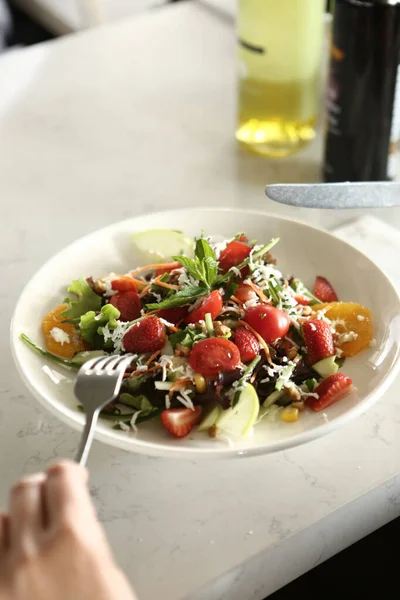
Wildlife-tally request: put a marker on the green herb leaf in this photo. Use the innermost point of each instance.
(205, 254)
(186, 295)
(230, 290)
(86, 300)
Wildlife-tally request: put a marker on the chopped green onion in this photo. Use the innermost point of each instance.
(209, 325)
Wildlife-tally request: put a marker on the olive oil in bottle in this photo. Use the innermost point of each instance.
(279, 55)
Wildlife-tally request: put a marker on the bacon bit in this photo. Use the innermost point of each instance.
(263, 343)
(258, 291)
(144, 291)
(178, 384)
(152, 357)
(173, 265)
(236, 300)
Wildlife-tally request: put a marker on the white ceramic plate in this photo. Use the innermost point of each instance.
(303, 251)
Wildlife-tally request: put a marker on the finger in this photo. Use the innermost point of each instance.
(26, 514)
(66, 494)
(4, 532)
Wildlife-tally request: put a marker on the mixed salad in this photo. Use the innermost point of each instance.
(220, 337)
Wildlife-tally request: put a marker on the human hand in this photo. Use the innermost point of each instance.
(51, 544)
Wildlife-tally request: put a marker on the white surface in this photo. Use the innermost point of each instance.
(89, 137)
(111, 250)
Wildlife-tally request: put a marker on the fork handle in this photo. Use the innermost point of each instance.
(87, 437)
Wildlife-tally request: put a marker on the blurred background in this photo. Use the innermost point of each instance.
(35, 21)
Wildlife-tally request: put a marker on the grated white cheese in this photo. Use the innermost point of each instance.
(60, 336)
(142, 368)
(167, 401)
(235, 270)
(165, 361)
(218, 247)
(107, 282)
(349, 336)
(124, 426)
(116, 335)
(167, 323)
(133, 421)
(185, 399)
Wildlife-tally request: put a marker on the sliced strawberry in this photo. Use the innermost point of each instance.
(318, 339)
(128, 304)
(301, 299)
(124, 283)
(180, 421)
(329, 391)
(247, 343)
(324, 291)
(173, 315)
(148, 335)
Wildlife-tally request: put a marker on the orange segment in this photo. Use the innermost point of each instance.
(72, 345)
(347, 317)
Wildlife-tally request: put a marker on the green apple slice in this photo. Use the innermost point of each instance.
(159, 245)
(239, 419)
(326, 367)
(211, 418)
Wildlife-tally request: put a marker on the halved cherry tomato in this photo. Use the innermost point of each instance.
(245, 292)
(123, 284)
(234, 254)
(270, 322)
(128, 304)
(173, 315)
(211, 304)
(213, 356)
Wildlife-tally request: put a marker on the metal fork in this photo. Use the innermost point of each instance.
(98, 383)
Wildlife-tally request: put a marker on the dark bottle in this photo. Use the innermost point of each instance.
(364, 92)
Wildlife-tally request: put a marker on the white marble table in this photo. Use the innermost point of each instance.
(130, 118)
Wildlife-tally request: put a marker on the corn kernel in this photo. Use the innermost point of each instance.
(290, 414)
(200, 382)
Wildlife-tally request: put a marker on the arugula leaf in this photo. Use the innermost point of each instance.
(186, 337)
(91, 323)
(186, 295)
(86, 300)
(133, 384)
(155, 412)
(230, 274)
(61, 361)
(138, 402)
